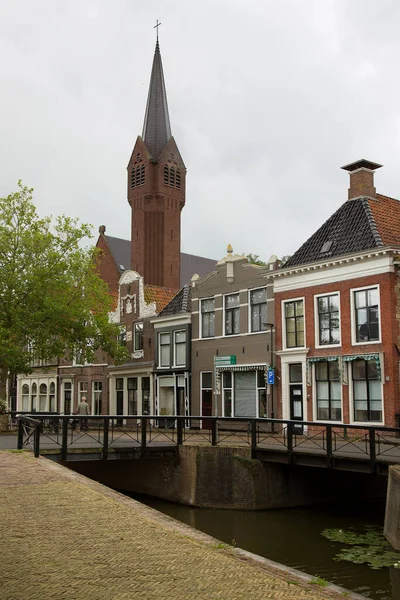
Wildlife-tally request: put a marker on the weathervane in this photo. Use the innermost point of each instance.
(156, 27)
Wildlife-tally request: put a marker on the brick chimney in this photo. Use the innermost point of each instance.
(361, 178)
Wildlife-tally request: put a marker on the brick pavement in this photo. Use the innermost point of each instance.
(66, 537)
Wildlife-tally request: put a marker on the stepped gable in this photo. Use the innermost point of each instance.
(161, 296)
(180, 304)
(352, 228)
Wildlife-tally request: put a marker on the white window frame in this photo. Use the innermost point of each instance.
(351, 399)
(201, 300)
(224, 334)
(159, 365)
(232, 390)
(174, 349)
(261, 287)
(353, 315)
(95, 393)
(315, 403)
(286, 301)
(316, 321)
(83, 392)
(134, 336)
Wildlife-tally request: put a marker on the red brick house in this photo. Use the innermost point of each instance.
(337, 313)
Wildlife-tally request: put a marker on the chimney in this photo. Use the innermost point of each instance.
(361, 178)
(102, 229)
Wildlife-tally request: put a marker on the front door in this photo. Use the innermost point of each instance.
(296, 402)
(296, 393)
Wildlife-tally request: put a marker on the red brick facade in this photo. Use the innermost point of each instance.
(156, 194)
(386, 348)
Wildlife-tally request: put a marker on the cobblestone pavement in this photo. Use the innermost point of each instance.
(66, 537)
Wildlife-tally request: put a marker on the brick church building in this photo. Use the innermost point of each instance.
(144, 274)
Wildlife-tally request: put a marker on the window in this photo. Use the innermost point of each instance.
(146, 395)
(138, 176)
(180, 348)
(142, 175)
(132, 396)
(245, 394)
(83, 390)
(232, 314)
(172, 177)
(166, 396)
(178, 178)
(137, 337)
(367, 391)
(42, 397)
(294, 321)
(33, 397)
(165, 349)
(328, 319)
(97, 397)
(208, 318)
(122, 336)
(258, 310)
(367, 315)
(329, 403)
(52, 397)
(166, 175)
(25, 397)
(227, 393)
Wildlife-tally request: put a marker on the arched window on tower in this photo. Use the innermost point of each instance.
(142, 175)
(137, 176)
(178, 178)
(166, 175)
(172, 177)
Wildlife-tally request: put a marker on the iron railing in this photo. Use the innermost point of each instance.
(121, 433)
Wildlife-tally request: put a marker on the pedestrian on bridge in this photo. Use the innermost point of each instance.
(83, 410)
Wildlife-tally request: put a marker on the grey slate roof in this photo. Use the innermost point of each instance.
(180, 304)
(156, 127)
(121, 251)
(351, 229)
(190, 264)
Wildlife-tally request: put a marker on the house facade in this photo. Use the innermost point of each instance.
(337, 311)
(172, 375)
(233, 322)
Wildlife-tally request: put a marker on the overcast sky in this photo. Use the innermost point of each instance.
(267, 100)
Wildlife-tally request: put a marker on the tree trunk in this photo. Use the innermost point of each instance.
(3, 383)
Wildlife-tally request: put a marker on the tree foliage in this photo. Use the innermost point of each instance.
(254, 259)
(52, 300)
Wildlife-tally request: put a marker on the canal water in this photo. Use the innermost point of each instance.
(293, 537)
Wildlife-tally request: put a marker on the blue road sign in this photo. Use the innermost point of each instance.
(271, 376)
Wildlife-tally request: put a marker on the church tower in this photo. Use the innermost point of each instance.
(156, 190)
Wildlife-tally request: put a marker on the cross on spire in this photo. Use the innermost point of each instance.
(156, 26)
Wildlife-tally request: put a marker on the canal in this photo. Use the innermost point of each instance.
(293, 537)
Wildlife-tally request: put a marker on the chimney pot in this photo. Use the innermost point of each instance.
(102, 229)
(361, 178)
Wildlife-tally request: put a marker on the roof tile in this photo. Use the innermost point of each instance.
(160, 295)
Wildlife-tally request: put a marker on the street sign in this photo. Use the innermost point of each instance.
(224, 361)
(271, 376)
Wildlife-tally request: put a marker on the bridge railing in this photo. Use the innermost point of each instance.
(107, 433)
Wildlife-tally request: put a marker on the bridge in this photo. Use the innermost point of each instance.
(306, 443)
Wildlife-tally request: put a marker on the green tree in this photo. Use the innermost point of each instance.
(254, 259)
(52, 301)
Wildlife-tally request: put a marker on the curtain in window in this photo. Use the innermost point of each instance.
(245, 394)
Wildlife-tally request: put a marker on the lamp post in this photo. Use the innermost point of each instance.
(271, 331)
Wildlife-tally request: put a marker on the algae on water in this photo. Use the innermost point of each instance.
(367, 547)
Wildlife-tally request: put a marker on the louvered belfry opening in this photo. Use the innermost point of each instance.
(362, 178)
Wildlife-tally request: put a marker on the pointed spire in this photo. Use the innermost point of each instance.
(156, 127)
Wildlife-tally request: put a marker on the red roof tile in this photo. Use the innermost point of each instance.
(160, 295)
(386, 213)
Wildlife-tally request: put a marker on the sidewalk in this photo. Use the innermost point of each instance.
(67, 537)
